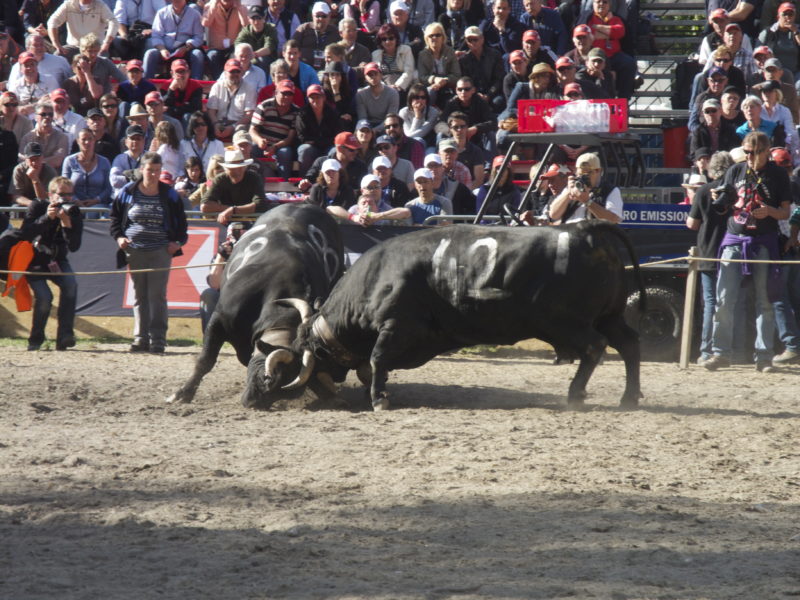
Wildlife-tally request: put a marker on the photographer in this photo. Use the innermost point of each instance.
(210, 296)
(587, 196)
(54, 228)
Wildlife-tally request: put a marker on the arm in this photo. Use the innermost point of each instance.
(741, 12)
(406, 79)
(57, 19)
(111, 29)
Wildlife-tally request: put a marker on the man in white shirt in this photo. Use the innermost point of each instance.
(231, 101)
(251, 74)
(66, 121)
(32, 85)
(49, 64)
(587, 196)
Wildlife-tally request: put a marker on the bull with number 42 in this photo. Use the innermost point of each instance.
(418, 295)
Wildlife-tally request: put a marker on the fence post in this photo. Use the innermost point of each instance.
(688, 309)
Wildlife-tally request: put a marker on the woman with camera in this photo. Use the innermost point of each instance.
(587, 196)
(54, 228)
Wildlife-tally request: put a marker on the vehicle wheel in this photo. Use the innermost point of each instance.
(659, 325)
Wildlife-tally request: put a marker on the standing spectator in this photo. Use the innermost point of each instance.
(251, 74)
(484, 67)
(135, 87)
(125, 167)
(200, 141)
(395, 60)
(36, 14)
(273, 127)
(223, 20)
(49, 64)
(81, 18)
(236, 191)
(547, 22)
(408, 33)
(184, 96)
(10, 119)
(608, 31)
(59, 230)
(376, 99)
(89, 172)
(356, 54)
(149, 226)
(31, 86)
(262, 37)
(502, 32)
(135, 26)
(438, 66)
(317, 125)
(31, 177)
(231, 101)
(283, 20)
(312, 37)
(177, 33)
(756, 197)
(65, 120)
(54, 143)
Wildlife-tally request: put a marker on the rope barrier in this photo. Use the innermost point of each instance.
(115, 272)
(714, 260)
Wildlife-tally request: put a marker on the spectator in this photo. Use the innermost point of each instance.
(165, 144)
(183, 96)
(105, 144)
(115, 124)
(126, 166)
(481, 123)
(566, 73)
(506, 193)
(438, 66)
(782, 37)
(717, 20)
(608, 31)
(301, 74)
(365, 12)
(518, 72)
(135, 26)
(394, 191)
(547, 22)
(773, 110)
(455, 20)
(366, 138)
(283, 20)
(262, 37)
(540, 86)
(587, 196)
(339, 94)
(209, 297)
(191, 181)
(551, 183)
(502, 31)
(717, 81)
(468, 153)
(138, 116)
(769, 14)
(533, 49)
(250, 73)
(236, 191)
(89, 172)
(741, 50)
(743, 12)
(421, 12)
(336, 53)
(329, 189)
(149, 226)
(31, 177)
(595, 73)
(36, 14)
(135, 87)
(31, 86)
(312, 37)
(243, 141)
(83, 90)
(484, 67)
(756, 197)
(408, 33)
(396, 61)
(583, 40)
(402, 168)
(273, 126)
(81, 18)
(223, 20)
(230, 101)
(65, 120)
(200, 141)
(752, 107)
(774, 71)
(10, 119)
(156, 112)
(722, 58)
(369, 210)
(58, 229)
(408, 148)
(177, 33)
(356, 54)
(54, 143)
(730, 107)
(459, 195)
(317, 124)
(102, 69)
(376, 99)
(760, 56)
(700, 158)
(419, 117)
(453, 168)
(49, 64)
(345, 150)
(712, 132)
(427, 204)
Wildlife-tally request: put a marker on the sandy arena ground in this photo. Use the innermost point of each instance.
(478, 484)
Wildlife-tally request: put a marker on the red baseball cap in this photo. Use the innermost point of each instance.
(564, 61)
(555, 169)
(372, 66)
(498, 160)
(59, 93)
(573, 87)
(25, 57)
(179, 64)
(232, 64)
(314, 88)
(719, 13)
(733, 26)
(153, 96)
(516, 55)
(285, 85)
(787, 6)
(531, 34)
(166, 177)
(762, 50)
(346, 139)
(581, 30)
(134, 64)
(781, 157)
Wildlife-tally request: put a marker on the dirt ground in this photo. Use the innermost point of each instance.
(477, 484)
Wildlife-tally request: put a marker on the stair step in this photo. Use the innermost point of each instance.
(665, 23)
(677, 7)
(653, 93)
(658, 58)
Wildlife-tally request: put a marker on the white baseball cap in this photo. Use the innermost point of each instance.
(432, 158)
(320, 7)
(381, 161)
(398, 5)
(331, 164)
(367, 179)
(426, 173)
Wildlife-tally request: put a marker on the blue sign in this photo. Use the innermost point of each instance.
(655, 215)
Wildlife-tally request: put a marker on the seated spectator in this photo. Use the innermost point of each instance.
(717, 82)
(35, 14)
(717, 20)
(156, 112)
(566, 73)
(301, 74)
(236, 191)
(369, 210)
(84, 92)
(484, 67)
(125, 167)
(419, 117)
(459, 195)
(250, 73)
(262, 37)
(506, 193)
(214, 168)
(402, 168)
(102, 69)
(376, 99)
(594, 72)
(31, 86)
(366, 138)
(278, 71)
(313, 36)
(184, 96)
(284, 20)
(135, 27)
(394, 191)
(273, 126)
(773, 110)
(741, 49)
(82, 17)
(49, 64)
(329, 189)
(135, 87)
(138, 116)
(200, 141)
(533, 49)
(548, 23)
(177, 33)
(89, 172)
(608, 31)
(438, 66)
(769, 14)
(781, 38)
(115, 123)
(165, 143)
(345, 150)
(427, 204)
(468, 153)
(502, 31)
(338, 94)
(365, 12)
(598, 199)
(481, 123)
(730, 112)
(8, 55)
(193, 179)
(760, 56)
(518, 73)
(751, 107)
(701, 158)
(223, 20)
(774, 71)
(10, 119)
(410, 149)
(454, 169)
(65, 120)
(356, 55)
(422, 12)
(409, 34)
(712, 132)
(105, 144)
(455, 20)
(230, 101)
(337, 53)
(31, 177)
(540, 86)
(317, 125)
(583, 40)
(722, 58)
(395, 61)
(55, 144)
(552, 183)
(242, 140)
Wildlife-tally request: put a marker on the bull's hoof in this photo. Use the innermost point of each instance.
(179, 397)
(381, 403)
(631, 400)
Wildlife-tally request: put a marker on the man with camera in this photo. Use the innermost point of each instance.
(54, 228)
(587, 196)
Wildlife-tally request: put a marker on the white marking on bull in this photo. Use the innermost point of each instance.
(480, 259)
(241, 259)
(562, 253)
(328, 256)
(445, 274)
(485, 266)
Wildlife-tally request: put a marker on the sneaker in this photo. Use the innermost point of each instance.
(763, 366)
(715, 362)
(787, 357)
(140, 347)
(65, 343)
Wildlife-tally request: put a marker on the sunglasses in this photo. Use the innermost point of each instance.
(45, 114)
(110, 105)
(373, 187)
(710, 111)
(458, 127)
(564, 68)
(472, 40)
(286, 93)
(464, 89)
(11, 104)
(235, 72)
(751, 151)
(719, 79)
(574, 95)
(435, 35)
(180, 71)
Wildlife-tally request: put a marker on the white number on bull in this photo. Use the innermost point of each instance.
(479, 262)
(328, 256)
(253, 248)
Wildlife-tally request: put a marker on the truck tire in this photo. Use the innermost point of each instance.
(659, 325)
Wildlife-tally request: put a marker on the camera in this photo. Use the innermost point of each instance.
(68, 207)
(582, 183)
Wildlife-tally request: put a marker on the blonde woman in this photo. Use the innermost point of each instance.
(437, 65)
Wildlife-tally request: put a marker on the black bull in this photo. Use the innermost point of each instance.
(416, 296)
(292, 251)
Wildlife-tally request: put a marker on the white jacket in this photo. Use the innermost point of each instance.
(97, 19)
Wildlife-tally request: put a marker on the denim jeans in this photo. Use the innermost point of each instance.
(43, 301)
(729, 288)
(154, 63)
(708, 282)
(785, 319)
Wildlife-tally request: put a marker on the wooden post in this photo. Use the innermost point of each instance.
(688, 309)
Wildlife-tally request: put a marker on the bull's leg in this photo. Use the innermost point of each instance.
(590, 351)
(625, 341)
(386, 345)
(212, 344)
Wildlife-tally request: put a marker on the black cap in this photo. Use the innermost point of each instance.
(767, 86)
(334, 67)
(32, 149)
(94, 112)
(134, 130)
(255, 11)
(701, 152)
(732, 89)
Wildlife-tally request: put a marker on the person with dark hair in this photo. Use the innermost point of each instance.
(125, 167)
(395, 60)
(88, 171)
(149, 226)
(506, 193)
(419, 117)
(331, 187)
(484, 67)
(316, 125)
(339, 94)
(712, 133)
(548, 23)
(480, 120)
(377, 99)
(184, 95)
(222, 20)
(200, 141)
(501, 30)
(262, 37)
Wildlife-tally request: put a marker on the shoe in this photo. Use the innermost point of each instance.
(65, 343)
(787, 357)
(157, 350)
(702, 360)
(140, 347)
(33, 347)
(715, 362)
(763, 366)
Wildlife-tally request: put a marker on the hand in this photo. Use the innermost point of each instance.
(181, 51)
(471, 131)
(762, 212)
(164, 54)
(224, 217)
(173, 247)
(53, 210)
(33, 172)
(41, 30)
(304, 185)
(123, 243)
(174, 85)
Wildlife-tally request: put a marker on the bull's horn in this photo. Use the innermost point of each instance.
(275, 358)
(327, 381)
(303, 307)
(305, 371)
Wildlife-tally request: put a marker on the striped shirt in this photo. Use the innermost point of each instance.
(146, 228)
(272, 125)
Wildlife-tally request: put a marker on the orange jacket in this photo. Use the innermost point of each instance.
(19, 259)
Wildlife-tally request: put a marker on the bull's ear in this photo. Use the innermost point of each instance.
(264, 347)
